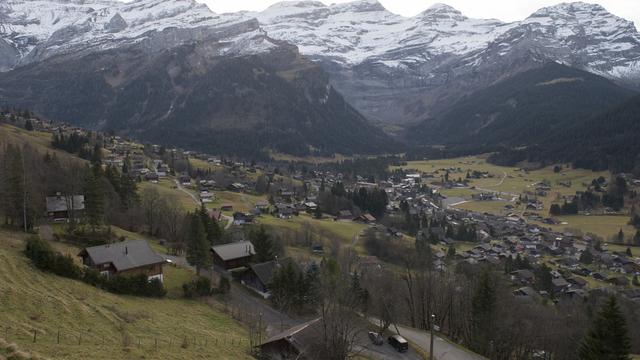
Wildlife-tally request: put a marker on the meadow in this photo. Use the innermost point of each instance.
(512, 182)
(94, 324)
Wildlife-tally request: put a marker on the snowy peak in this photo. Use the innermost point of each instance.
(442, 12)
(573, 9)
(360, 6)
(37, 29)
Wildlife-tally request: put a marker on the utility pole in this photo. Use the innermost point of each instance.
(433, 331)
(24, 193)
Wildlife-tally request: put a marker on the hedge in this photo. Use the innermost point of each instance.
(46, 259)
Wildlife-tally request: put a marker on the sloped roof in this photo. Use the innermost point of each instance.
(302, 336)
(59, 203)
(265, 271)
(124, 255)
(234, 250)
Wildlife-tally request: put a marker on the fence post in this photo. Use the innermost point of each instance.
(34, 335)
(6, 333)
(80, 339)
(156, 340)
(58, 337)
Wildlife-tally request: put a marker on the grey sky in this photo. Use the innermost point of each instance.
(506, 10)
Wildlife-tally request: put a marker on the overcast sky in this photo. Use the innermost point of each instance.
(505, 10)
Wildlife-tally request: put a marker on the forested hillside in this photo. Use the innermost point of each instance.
(604, 141)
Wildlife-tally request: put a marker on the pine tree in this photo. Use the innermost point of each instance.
(262, 245)
(608, 338)
(211, 227)
(28, 125)
(544, 278)
(94, 199)
(482, 310)
(197, 244)
(586, 257)
(12, 194)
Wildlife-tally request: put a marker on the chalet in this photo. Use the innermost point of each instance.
(600, 276)
(577, 282)
(310, 206)
(226, 207)
(285, 211)
(317, 249)
(62, 208)
(151, 176)
(233, 255)
(259, 276)
(133, 257)
(523, 276)
(560, 284)
(366, 218)
(620, 280)
(526, 293)
(238, 187)
(240, 218)
(262, 205)
(185, 180)
(345, 215)
(295, 343)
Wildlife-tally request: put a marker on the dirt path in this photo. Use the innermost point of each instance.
(46, 232)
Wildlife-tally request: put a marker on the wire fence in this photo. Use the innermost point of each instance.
(87, 338)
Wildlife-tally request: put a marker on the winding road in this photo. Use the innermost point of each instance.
(442, 349)
(199, 203)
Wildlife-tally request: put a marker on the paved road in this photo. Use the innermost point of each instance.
(443, 350)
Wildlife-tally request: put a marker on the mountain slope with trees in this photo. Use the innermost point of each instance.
(603, 141)
(189, 96)
(524, 109)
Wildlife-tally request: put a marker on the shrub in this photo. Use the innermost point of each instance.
(225, 286)
(44, 258)
(197, 288)
(134, 285)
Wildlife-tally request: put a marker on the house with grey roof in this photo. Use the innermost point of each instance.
(233, 255)
(64, 207)
(127, 258)
(260, 276)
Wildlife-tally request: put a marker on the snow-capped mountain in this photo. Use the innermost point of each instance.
(32, 30)
(399, 69)
(173, 72)
(355, 32)
(392, 68)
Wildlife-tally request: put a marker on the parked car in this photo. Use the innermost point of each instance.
(376, 338)
(399, 343)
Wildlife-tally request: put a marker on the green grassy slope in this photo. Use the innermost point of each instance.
(94, 324)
